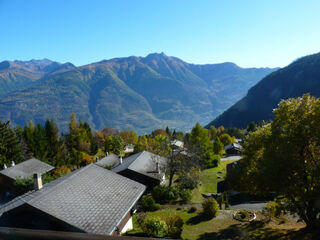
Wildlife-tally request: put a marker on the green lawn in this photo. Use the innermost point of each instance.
(209, 179)
(197, 227)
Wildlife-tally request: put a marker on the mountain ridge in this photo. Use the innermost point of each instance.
(300, 77)
(138, 93)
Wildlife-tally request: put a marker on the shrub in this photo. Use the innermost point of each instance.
(189, 180)
(185, 195)
(193, 209)
(274, 208)
(22, 185)
(242, 214)
(148, 204)
(175, 225)
(141, 216)
(210, 207)
(155, 227)
(164, 194)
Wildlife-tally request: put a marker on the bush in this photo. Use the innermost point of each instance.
(185, 195)
(210, 207)
(189, 180)
(148, 204)
(155, 227)
(22, 185)
(193, 209)
(274, 209)
(242, 214)
(164, 194)
(175, 225)
(141, 216)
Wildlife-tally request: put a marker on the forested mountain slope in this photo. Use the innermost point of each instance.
(140, 93)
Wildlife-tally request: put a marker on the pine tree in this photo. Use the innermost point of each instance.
(10, 148)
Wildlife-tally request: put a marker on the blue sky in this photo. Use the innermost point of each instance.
(256, 33)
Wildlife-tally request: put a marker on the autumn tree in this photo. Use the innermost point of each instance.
(226, 139)
(283, 157)
(129, 137)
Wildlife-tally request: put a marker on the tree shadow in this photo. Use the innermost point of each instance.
(198, 219)
(257, 230)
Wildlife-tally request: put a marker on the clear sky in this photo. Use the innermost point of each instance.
(251, 33)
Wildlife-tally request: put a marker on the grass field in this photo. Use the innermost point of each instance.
(209, 179)
(225, 227)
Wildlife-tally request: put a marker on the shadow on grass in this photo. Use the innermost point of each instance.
(198, 219)
(255, 231)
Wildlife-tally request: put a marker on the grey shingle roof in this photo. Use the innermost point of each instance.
(92, 199)
(27, 169)
(233, 145)
(143, 162)
(109, 160)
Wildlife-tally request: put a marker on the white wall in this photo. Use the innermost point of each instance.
(128, 226)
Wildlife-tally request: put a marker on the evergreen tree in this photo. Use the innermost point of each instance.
(10, 148)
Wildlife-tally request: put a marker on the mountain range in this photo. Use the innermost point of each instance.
(140, 93)
(300, 77)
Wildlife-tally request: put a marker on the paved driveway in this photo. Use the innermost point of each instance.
(252, 206)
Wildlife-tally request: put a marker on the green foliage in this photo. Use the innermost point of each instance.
(226, 139)
(282, 157)
(236, 132)
(199, 136)
(10, 147)
(252, 126)
(175, 226)
(275, 208)
(148, 203)
(218, 147)
(155, 227)
(165, 194)
(242, 214)
(189, 180)
(193, 209)
(210, 207)
(22, 185)
(185, 195)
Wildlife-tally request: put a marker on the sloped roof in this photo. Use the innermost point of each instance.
(143, 162)
(109, 160)
(233, 145)
(27, 169)
(92, 199)
(177, 143)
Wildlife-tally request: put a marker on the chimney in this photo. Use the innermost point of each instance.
(12, 164)
(4, 166)
(37, 181)
(120, 160)
(157, 168)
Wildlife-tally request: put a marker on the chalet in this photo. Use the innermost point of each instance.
(108, 161)
(143, 167)
(89, 200)
(22, 170)
(233, 149)
(129, 148)
(176, 144)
